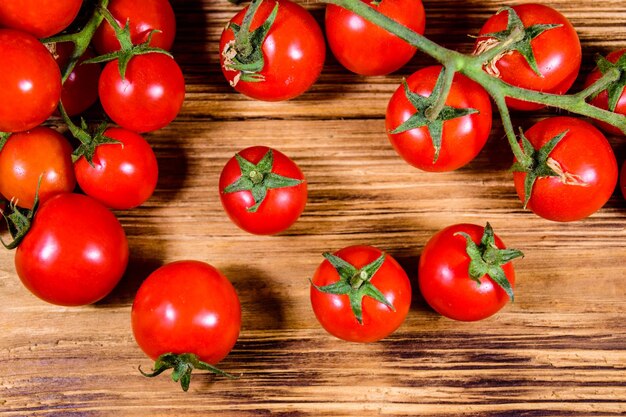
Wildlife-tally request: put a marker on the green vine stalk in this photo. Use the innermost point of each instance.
(472, 67)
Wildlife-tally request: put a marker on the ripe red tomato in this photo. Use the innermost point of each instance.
(367, 49)
(260, 174)
(587, 165)
(28, 155)
(557, 52)
(444, 278)
(80, 89)
(144, 17)
(74, 253)
(602, 99)
(148, 98)
(293, 52)
(41, 18)
(462, 137)
(30, 81)
(124, 174)
(186, 307)
(622, 180)
(378, 320)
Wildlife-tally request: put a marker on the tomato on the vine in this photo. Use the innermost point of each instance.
(572, 172)
(360, 294)
(74, 253)
(40, 18)
(262, 190)
(144, 17)
(367, 49)
(460, 130)
(550, 41)
(123, 175)
(148, 97)
(80, 89)
(465, 272)
(287, 58)
(27, 156)
(613, 97)
(30, 81)
(186, 312)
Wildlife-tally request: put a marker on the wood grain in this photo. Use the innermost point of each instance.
(559, 350)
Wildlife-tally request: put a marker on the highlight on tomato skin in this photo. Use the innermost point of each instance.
(362, 273)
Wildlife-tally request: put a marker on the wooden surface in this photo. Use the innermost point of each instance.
(558, 350)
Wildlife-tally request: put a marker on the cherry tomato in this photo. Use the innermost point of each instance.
(74, 253)
(367, 49)
(80, 89)
(444, 278)
(26, 156)
(124, 174)
(41, 18)
(30, 81)
(148, 98)
(557, 52)
(602, 99)
(144, 17)
(280, 206)
(622, 180)
(186, 307)
(587, 170)
(335, 312)
(294, 52)
(462, 137)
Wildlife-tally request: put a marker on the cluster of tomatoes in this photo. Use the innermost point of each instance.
(71, 250)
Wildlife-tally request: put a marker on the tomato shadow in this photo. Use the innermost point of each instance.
(410, 265)
(171, 153)
(139, 267)
(261, 298)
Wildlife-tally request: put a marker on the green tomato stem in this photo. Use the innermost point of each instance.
(432, 112)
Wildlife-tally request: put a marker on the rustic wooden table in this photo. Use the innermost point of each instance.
(560, 349)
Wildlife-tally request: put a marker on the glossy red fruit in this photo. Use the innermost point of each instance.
(143, 16)
(150, 95)
(40, 18)
(186, 307)
(30, 82)
(75, 252)
(27, 156)
(124, 175)
(367, 49)
(80, 89)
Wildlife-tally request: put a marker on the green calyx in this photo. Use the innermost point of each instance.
(19, 220)
(4, 136)
(355, 283)
(522, 37)
(127, 49)
(616, 88)
(258, 179)
(538, 164)
(487, 259)
(425, 116)
(182, 365)
(245, 53)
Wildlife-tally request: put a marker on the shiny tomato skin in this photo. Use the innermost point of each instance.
(148, 98)
(75, 252)
(463, 137)
(40, 18)
(80, 90)
(144, 16)
(294, 52)
(124, 175)
(186, 307)
(583, 152)
(444, 280)
(366, 49)
(379, 321)
(557, 51)
(30, 82)
(281, 207)
(28, 155)
(602, 99)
